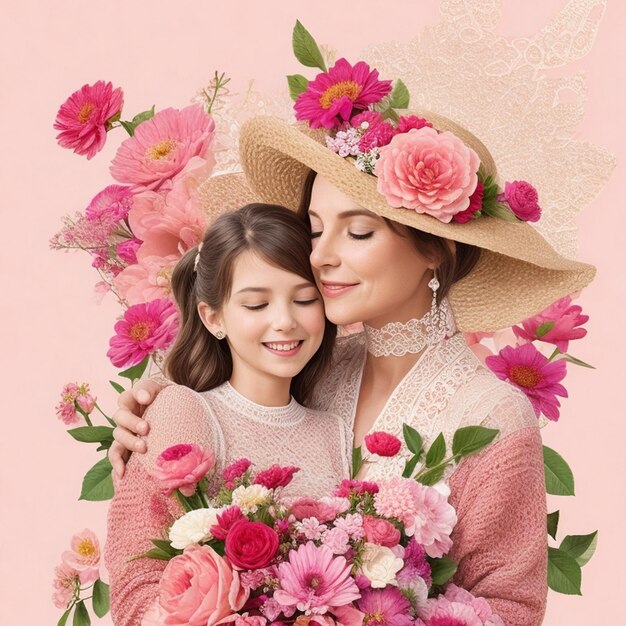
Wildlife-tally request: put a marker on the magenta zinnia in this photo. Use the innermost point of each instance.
(331, 98)
(85, 116)
(144, 329)
(529, 370)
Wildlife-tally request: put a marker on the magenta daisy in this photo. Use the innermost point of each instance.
(332, 97)
(529, 370)
(314, 580)
(385, 607)
(84, 117)
(144, 329)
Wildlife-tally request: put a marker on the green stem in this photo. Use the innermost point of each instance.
(554, 354)
(101, 411)
(443, 463)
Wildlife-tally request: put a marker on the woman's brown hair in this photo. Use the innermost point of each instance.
(455, 262)
(198, 359)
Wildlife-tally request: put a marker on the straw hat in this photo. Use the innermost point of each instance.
(224, 192)
(518, 274)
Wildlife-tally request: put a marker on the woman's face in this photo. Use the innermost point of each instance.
(273, 319)
(365, 271)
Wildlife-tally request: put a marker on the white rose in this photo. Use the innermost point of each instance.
(248, 499)
(193, 527)
(380, 565)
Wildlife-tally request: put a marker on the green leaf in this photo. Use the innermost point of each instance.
(64, 617)
(153, 553)
(129, 127)
(472, 439)
(498, 209)
(305, 48)
(559, 477)
(143, 116)
(136, 371)
(544, 329)
(92, 434)
(553, 523)
(564, 573)
(297, 84)
(442, 570)
(409, 467)
(432, 476)
(390, 114)
(572, 359)
(436, 452)
(580, 547)
(104, 446)
(399, 95)
(413, 440)
(100, 598)
(98, 482)
(357, 461)
(81, 615)
(117, 386)
(165, 546)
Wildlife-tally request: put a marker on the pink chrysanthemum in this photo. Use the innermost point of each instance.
(331, 98)
(162, 146)
(529, 370)
(424, 511)
(314, 580)
(144, 329)
(385, 607)
(83, 118)
(111, 205)
(565, 319)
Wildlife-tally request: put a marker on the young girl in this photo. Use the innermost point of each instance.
(253, 342)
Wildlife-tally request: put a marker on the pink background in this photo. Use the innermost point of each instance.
(54, 332)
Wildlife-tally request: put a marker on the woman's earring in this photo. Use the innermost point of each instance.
(220, 334)
(434, 285)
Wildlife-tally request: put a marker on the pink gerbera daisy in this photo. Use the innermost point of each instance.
(144, 329)
(330, 99)
(314, 580)
(84, 117)
(529, 370)
(385, 607)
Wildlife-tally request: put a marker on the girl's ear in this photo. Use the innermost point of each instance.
(210, 318)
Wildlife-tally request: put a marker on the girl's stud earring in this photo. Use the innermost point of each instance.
(220, 334)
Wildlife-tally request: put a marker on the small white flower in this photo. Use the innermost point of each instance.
(380, 565)
(249, 499)
(193, 527)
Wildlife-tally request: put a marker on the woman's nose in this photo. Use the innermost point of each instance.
(323, 253)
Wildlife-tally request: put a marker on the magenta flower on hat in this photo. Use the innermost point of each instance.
(330, 99)
(84, 117)
(523, 200)
(144, 329)
(429, 172)
(558, 324)
(529, 370)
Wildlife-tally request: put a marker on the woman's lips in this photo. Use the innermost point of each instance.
(331, 289)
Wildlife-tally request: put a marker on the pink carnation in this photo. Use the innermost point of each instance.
(429, 172)
(458, 607)
(529, 370)
(181, 467)
(337, 540)
(559, 324)
(276, 476)
(347, 488)
(149, 278)
(377, 136)
(84, 117)
(410, 122)
(111, 205)
(235, 470)
(382, 444)
(162, 146)
(225, 521)
(475, 205)
(523, 200)
(127, 250)
(424, 511)
(331, 98)
(144, 329)
(352, 524)
(308, 507)
(66, 584)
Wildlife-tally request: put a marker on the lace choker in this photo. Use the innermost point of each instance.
(400, 338)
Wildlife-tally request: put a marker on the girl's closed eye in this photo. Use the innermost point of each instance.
(255, 307)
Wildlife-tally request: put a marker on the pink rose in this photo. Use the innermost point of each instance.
(429, 172)
(523, 199)
(200, 588)
(383, 444)
(181, 467)
(380, 531)
(308, 507)
(276, 476)
(251, 545)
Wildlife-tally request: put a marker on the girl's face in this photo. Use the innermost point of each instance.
(273, 319)
(365, 271)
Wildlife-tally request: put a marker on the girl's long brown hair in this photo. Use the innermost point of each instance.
(197, 359)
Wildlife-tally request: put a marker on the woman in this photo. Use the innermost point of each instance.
(253, 340)
(376, 264)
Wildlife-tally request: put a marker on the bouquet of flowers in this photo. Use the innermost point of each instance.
(371, 553)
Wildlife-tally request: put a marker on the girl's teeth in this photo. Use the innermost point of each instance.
(283, 347)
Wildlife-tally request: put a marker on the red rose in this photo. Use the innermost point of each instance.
(251, 545)
(380, 531)
(276, 476)
(382, 444)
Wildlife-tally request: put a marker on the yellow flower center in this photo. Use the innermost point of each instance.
(345, 88)
(161, 150)
(525, 376)
(86, 548)
(85, 112)
(373, 618)
(140, 331)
